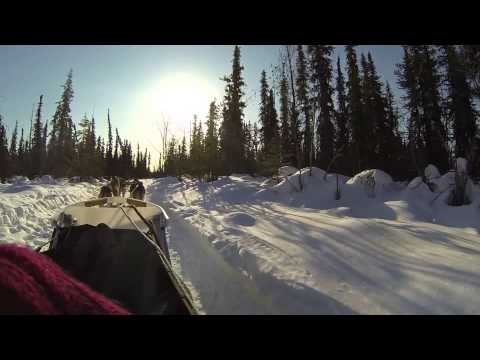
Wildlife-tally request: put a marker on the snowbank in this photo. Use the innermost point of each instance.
(443, 183)
(287, 170)
(19, 180)
(304, 178)
(44, 180)
(415, 183)
(27, 209)
(431, 172)
(307, 253)
(366, 177)
(373, 181)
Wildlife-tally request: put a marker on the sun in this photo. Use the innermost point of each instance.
(177, 98)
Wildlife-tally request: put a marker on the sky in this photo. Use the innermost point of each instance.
(141, 84)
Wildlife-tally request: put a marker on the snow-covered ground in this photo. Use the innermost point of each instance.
(27, 207)
(393, 249)
(247, 246)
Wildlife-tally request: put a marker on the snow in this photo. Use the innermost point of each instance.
(415, 183)
(287, 170)
(27, 207)
(243, 247)
(303, 252)
(365, 177)
(443, 183)
(431, 172)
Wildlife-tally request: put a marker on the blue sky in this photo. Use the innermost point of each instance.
(130, 80)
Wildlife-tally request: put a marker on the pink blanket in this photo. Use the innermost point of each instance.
(31, 283)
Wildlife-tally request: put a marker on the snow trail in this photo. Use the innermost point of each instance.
(222, 285)
(306, 253)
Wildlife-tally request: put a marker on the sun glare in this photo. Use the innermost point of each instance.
(177, 98)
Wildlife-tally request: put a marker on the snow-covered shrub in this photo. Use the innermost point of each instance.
(45, 180)
(442, 183)
(287, 170)
(415, 183)
(269, 182)
(314, 171)
(19, 180)
(292, 182)
(371, 180)
(431, 172)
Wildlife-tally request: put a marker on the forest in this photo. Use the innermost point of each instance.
(312, 112)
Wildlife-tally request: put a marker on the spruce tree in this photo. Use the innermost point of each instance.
(460, 107)
(211, 144)
(37, 153)
(418, 76)
(321, 76)
(286, 151)
(62, 142)
(14, 168)
(341, 120)
(4, 155)
(13, 141)
(354, 109)
(264, 111)
(21, 156)
(304, 104)
(109, 149)
(471, 59)
(233, 142)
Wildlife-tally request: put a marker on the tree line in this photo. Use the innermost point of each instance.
(66, 150)
(343, 120)
(312, 112)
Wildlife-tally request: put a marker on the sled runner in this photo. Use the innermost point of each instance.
(118, 246)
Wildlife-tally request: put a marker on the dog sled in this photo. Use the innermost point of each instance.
(118, 246)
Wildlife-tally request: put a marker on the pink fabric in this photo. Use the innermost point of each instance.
(31, 283)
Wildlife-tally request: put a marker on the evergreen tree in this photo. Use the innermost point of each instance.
(264, 111)
(232, 124)
(183, 157)
(109, 149)
(4, 155)
(211, 144)
(460, 107)
(255, 139)
(14, 167)
(397, 159)
(21, 156)
(354, 109)
(295, 131)
(171, 159)
(249, 150)
(115, 160)
(13, 141)
(418, 76)
(471, 59)
(37, 143)
(304, 103)
(383, 155)
(44, 146)
(62, 143)
(286, 151)
(341, 119)
(321, 76)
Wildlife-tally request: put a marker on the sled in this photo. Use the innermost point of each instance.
(118, 246)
